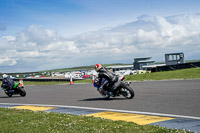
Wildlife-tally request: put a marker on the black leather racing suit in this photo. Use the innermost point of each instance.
(111, 77)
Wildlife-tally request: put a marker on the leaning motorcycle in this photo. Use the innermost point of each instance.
(16, 89)
(123, 89)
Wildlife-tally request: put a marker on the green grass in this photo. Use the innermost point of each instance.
(44, 83)
(56, 82)
(192, 73)
(24, 121)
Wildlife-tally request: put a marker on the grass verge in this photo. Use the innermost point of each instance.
(25, 121)
(54, 82)
(58, 82)
(191, 73)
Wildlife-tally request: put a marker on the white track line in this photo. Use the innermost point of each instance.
(103, 109)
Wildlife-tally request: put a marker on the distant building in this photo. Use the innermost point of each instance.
(173, 61)
(118, 68)
(144, 61)
(174, 58)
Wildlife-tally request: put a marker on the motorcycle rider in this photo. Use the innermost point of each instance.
(109, 76)
(7, 82)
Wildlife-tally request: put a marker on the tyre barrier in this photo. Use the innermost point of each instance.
(40, 80)
(44, 80)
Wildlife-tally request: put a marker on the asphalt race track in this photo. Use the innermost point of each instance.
(178, 97)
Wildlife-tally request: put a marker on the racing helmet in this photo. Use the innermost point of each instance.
(98, 67)
(4, 76)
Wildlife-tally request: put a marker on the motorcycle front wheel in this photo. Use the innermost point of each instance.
(126, 91)
(22, 92)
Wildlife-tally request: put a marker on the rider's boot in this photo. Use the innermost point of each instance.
(110, 93)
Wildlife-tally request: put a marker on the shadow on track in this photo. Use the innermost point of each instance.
(10, 97)
(102, 99)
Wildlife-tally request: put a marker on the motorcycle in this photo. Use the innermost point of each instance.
(123, 89)
(16, 89)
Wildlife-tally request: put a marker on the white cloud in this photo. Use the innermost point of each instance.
(7, 62)
(9, 38)
(36, 47)
(67, 46)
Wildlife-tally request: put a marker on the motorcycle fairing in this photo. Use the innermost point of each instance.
(15, 85)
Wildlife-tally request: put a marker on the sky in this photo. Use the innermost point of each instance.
(40, 35)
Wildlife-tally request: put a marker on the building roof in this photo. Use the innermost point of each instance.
(174, 53)
(142, 58)
(146, 61)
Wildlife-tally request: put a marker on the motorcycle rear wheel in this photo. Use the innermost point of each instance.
(9, 94)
